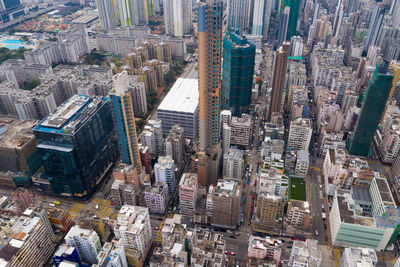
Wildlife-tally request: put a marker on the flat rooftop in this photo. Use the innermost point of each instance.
(227, 187)
(384, 190)
(188, 180)
(14, 134)
(348, 215)
(70, 115)
(183, 97)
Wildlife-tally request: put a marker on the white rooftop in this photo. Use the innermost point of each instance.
(183, 96)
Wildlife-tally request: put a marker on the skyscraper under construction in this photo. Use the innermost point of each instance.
(210, 15)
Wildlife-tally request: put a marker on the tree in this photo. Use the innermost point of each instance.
(32, 84)
(140, 124)
(170, 77)
(190, 49)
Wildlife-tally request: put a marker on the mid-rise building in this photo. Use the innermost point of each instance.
(151, 136)
(354, 256)
(145, 158)
(112, 254)
(225, 197)
(59, 218)
(225, 117)
(241, 130)
(21, 200)
(77, 144)
(188, 188)
(124, 119)
(175, 145)
(298, 214)
(265, 248)
(86, 242)
(237, 73)
(233, 164)
(226, 137)
(181, 106)
(17, 145)
(133, 228)
(165, 172)
(305, 253)
(300, 134)
(65, 253)
(156, 198)
(302, 163)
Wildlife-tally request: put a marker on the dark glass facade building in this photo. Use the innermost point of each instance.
(237, 72)
(373, 104)
(77, 144)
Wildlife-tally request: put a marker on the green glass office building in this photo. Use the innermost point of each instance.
(237, 72)
(293, 16)
(373, 104)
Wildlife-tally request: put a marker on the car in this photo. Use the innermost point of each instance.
(316, 232)
(227, 252)
(233, 253)
(232, 236)
(155, 228)
(289, 247)
(236, 234)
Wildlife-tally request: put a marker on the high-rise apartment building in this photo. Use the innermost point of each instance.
(210, 15)
(165, 172)
(177, 17)
(373, 105)
(175, 145)
(299, 134)
(86, 242)
(188, 187)
(261, 17)
(240, 14)
(225, 203)
(237, 72)
(233, 164)
(279, 78)
(124, 118)
(122, 12)
(77, 142)
(107, 13)
(133, 228)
